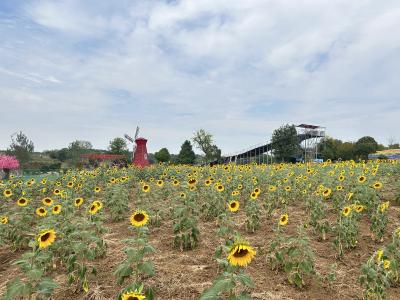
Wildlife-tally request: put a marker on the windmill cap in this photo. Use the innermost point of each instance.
(140, 139)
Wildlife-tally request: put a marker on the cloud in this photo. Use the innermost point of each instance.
(96, 69)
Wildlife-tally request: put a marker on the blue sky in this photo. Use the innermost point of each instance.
(93, 70)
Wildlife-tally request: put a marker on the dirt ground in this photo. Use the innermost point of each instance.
(184, 275)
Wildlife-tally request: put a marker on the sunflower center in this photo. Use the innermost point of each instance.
(241, 253)
(283, 219)
(132, 298)
(22, 201)
(45, 237)
(233, 205)
(139, 217)
(41, 211)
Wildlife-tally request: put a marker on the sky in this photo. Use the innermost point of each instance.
(95, 69)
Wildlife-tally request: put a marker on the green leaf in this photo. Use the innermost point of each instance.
(34, 274)
(14, 288)
(146, 268)
(46, 287)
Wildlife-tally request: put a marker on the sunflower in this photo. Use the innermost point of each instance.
(272, 188)
(386, 264)
(240, 187)
(241, 254)
(3, 220)
(207, 182)
(359, 208)
(284, 219)
(257, 191)
(56, 209)
(93, 209)
(182, 195)
(192, 181)
(160, 183)
(41, 212)
(379, 255)
(253, 195)
(327, 192)
(44, 180)
(233, 205)
(47, 201)
(7, 193)
(349, 196)
(132, 296)
(97, 189)
(98, 204)
(220, 188)
(288, 188)
(57, 192)
(139, 218)
(22, 201)
(346, 211)
(341, 178)
(146, 188)
(175, 183)
(383, 206)
(339, 188)
(46, 238)
(70, 184)
(362, 179)
(78, 201)
(377, 185)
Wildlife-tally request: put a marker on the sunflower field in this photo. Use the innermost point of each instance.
(281, 231)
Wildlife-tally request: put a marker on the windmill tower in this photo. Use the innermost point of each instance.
(139, 150)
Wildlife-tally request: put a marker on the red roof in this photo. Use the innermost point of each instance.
(102, 156)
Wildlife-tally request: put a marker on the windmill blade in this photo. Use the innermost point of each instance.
(137, 132)
(129, 138)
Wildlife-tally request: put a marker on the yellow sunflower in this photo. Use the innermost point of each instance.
(22, 201)
(233, 205)
(207, 182)
(98, 203)
(359, 208)
(182, 195)
(56, 209)
(288, 188)
(3, 220)
(47, 201)
(362, 179)
(346, 211)
(241, 254)
(46, 238)
(377, 185)
(97, 189)
(160, 183)
(386, 264)
(139, 218)
(192, 181)
(93, 209)
(146, 188)
(57, 192)
(327, 192)
(257, 191)
(175, 183)
(70, 184)
(132, 296)
(7, 193)
(78, 201)
(219, 187)
(272, 188)
(253, 195)
(41, 211)
(284, 219)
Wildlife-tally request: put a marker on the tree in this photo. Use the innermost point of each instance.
(365, 146)
(118, 146)
(162, 155)
(77, 148)
(204, 141)
(21, 147)
(346, 151)
(186, 155)
(285, 142)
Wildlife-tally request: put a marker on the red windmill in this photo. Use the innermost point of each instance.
(139, 150)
